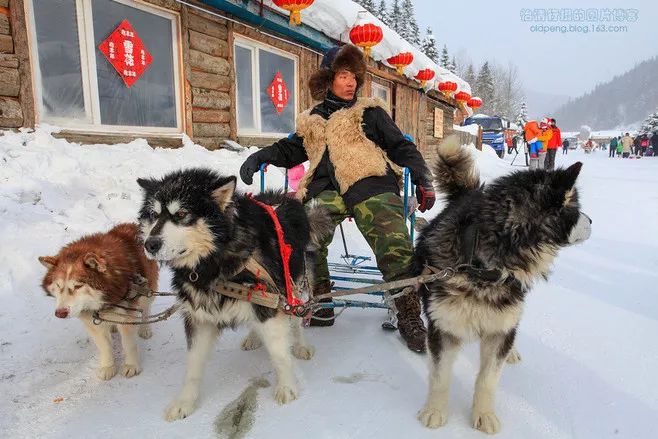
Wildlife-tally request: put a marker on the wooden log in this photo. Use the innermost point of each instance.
(208, 44)
(4, 3)
(111, 139)
(166, 4)
(208, 63)
(210, 143)
(210, 116)
(4, 25)
(203, 98)
(210, 81)
(19, 33)
(220, 130)
(6, 44)
(202, 23)
(8, 60)
(11, 114)
(10, 82)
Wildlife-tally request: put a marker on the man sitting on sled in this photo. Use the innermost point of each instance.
(355, 152)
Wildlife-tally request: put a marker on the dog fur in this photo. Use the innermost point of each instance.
(93, 272)
(522, 221)
(194, 220)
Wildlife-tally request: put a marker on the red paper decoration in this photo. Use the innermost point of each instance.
(474, 103)
(425, 75)
(366, 36)
(400, 61)
(462, 97)
(278, 92)
(447, 88)
(126, 52)
(294, 7)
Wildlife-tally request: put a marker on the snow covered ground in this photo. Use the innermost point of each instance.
(587, 338)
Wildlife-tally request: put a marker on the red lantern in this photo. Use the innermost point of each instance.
(294, 7)
(425, 75)
(474, 103)
(400, 61)
(447, 88)
(365, 35)
(462, 97)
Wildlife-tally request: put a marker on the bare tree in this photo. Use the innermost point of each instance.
(508, 90)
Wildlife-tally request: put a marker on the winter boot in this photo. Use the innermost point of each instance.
(325, 315)
(411, 326)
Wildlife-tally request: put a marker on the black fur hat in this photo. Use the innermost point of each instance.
(347, 57)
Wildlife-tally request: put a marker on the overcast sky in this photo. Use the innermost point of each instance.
(556, 63)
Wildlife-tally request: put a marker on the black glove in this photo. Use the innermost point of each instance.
(425, 196)
(250, 167)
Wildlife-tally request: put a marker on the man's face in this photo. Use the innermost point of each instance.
(344, 85)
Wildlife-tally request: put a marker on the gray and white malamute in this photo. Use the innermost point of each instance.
(195, 222)
(501, 237)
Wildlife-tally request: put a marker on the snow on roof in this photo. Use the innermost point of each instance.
(335, 18)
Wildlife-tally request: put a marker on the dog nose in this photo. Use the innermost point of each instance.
(153, 244)
(62, 313)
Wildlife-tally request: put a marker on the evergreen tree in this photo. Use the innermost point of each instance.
(453, 65)
(428, 46)
(382, 14)
(522, 117)
(485, 89)
(412, 32)
(395, 17)
(650, 125)
(369, 6)
(445, 59)
(469, 77)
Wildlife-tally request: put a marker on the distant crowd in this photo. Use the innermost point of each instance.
(627, 147)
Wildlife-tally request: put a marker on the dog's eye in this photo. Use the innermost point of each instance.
(181, 214)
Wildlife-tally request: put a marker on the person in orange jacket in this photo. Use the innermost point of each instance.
(532, 133)
(544, 138)
(553, 144)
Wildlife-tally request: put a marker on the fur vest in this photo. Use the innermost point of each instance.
(352, 154)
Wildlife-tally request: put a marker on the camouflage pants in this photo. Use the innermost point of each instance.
(381, 222)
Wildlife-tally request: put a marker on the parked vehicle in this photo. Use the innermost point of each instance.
(494, 131)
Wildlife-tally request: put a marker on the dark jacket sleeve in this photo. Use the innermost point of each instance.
(286, 153)
(382, 130)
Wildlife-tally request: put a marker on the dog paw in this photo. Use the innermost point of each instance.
(106, 373)
(130, 370)
(251, 342)
(486, 422)
(513, 357)
(179, 409)
(145, 332)
(432, 417)
(285, 394)
(303, 352)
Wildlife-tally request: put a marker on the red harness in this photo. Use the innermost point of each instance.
(284, 249)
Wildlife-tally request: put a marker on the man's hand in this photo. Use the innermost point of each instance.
(249, 168)
(425, 196)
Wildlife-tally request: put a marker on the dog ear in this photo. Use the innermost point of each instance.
(565, 179)
(148, 184)
(95, 262)
(48, 261)
(223, 194)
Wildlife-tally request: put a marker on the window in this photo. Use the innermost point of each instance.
(382, 92)
(78, 88)
(256, 67)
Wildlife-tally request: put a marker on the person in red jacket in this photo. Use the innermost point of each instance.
(553, 144)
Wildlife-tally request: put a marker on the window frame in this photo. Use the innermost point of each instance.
(91, 99)
(375, 85)
(254, 47)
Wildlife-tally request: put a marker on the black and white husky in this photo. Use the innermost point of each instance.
(194, 220)
(504, 236)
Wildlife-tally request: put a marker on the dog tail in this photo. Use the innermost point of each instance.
(454, 169)
(320, 223)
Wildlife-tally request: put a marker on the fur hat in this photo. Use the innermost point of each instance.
(347, 57)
